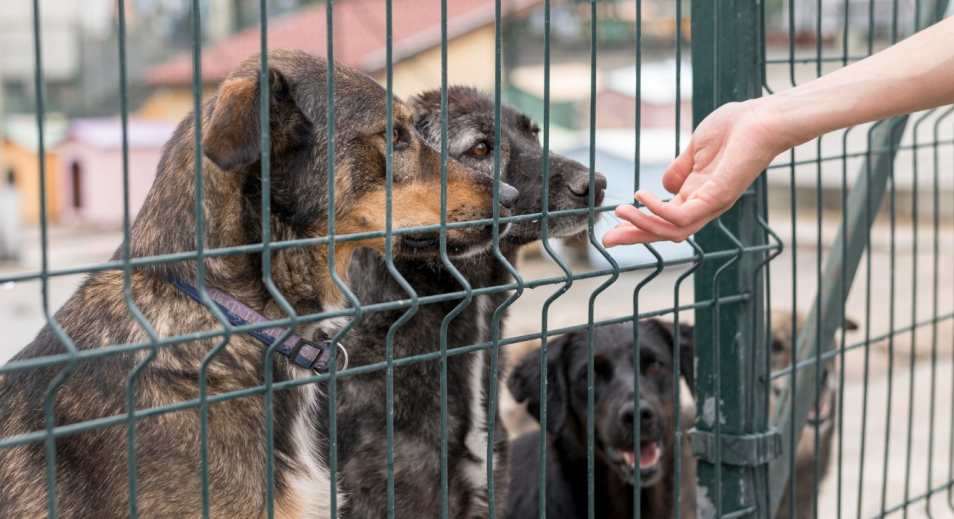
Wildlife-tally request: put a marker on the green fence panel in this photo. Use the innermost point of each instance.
(745, 457)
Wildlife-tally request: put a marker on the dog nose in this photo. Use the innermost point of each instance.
(508, 195)
(580, 186)
(626, 414)
(646, 414)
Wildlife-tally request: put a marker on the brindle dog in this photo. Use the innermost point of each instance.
(91, 466)
(417, 408)
(618, 452)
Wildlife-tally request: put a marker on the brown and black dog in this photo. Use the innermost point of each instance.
(92, 470)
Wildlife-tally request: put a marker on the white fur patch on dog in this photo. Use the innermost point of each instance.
(476, 439)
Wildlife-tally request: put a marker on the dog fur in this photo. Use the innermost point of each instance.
(361, 412)
(91, 466)
(614, 414)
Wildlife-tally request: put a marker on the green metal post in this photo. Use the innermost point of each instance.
(730, 439)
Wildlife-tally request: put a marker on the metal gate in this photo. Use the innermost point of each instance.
(745, 449)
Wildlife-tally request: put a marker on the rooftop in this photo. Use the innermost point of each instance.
(359, 35)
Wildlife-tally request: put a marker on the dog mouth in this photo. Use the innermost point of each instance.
(648, 457)
(428, 244)
(421, 242)
(820, 414)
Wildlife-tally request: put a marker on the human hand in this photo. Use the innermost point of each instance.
(728, 150)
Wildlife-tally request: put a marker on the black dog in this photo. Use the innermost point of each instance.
(615, 415)
(361, 409)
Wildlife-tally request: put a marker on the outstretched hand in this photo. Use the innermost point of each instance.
(728, 150)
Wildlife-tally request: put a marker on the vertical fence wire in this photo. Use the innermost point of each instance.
(935, 310)
(816, 473)
(71, 350)
(495, 241)
(396, 275)
(131, 306)
(200, 281)
(843, 295)
(637, 484)
(336, 339)
(266, 227)
(548, 248)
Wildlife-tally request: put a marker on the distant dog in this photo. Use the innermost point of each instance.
(820, 418)
(92, 471)
(361, 412)
(617, 452)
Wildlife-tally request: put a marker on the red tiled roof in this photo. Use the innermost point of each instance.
(359, 35)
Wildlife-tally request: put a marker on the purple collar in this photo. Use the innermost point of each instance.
(307, 354)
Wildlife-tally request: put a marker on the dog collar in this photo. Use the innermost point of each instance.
(307, 354)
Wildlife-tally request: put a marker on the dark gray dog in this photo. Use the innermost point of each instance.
(417, 409)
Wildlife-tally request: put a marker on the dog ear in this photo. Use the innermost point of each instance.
(524, 383)
(233, 137)
(424, 114)
(686, 348)
(850, 324)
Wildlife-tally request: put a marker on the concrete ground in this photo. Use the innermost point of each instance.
(927, 425)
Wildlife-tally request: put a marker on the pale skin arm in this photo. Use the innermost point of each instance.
(736, 142)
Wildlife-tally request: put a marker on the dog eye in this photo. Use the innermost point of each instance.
(602, 369)
(654, 366)
(480, 149)
(396, 141)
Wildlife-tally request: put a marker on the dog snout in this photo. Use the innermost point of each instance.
(580, 186)
(508, 195)
(627, 413)
(647, 415)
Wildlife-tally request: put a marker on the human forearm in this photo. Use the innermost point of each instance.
(915, 74)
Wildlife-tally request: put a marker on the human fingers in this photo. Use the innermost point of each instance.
(654, 228)
(700, 207)
(627, 234)
(659, 228)
(677, 172)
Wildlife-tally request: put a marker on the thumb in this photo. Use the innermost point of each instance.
(680, 168)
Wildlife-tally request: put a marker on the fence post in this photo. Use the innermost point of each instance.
(731, 369)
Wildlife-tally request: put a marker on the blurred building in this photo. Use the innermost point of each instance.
(572, 85)
(90, 168)
(67, 29)
(658, 96)
(21, 144)
(359, 42)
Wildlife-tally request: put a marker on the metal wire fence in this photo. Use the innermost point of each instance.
(856, 225)
(744, 466)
